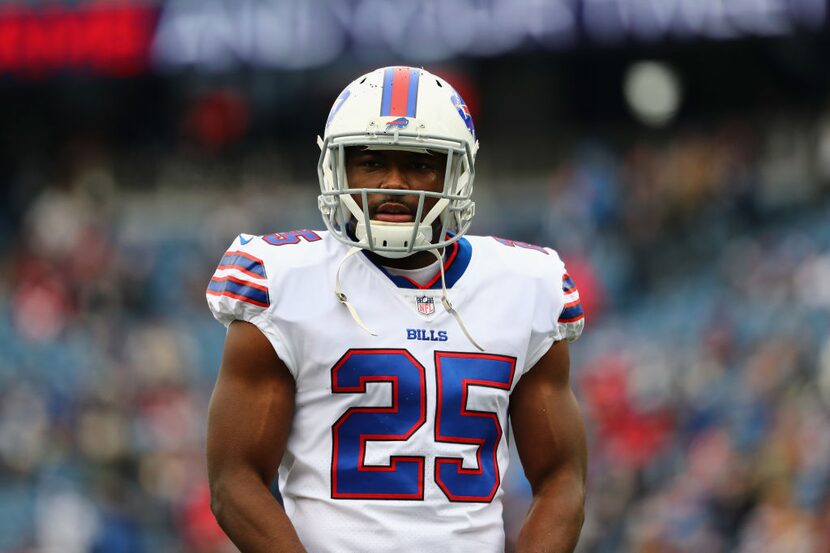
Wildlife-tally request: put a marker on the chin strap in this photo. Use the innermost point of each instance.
(341, 296)
(445, 301)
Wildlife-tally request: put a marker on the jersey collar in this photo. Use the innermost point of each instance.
(457, 259)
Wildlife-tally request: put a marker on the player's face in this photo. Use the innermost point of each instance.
(395, 170)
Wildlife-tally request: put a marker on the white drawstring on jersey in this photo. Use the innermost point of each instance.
(445, 300)
(341, 296)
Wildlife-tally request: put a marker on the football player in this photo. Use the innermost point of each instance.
(379, 363)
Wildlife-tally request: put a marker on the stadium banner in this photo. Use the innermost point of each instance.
(127, 38)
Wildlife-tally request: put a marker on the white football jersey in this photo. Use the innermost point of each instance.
(398, 440)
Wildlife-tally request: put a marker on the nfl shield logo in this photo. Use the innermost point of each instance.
(426, 305)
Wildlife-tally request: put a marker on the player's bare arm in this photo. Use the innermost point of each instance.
(248, 424)
(550, 438)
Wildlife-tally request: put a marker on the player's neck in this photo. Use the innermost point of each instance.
(417, 260)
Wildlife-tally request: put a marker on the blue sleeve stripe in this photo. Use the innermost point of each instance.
(568, 285)
(572, 313)
(244, 262)
(239, 289)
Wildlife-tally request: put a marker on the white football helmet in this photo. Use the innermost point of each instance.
(398, 108)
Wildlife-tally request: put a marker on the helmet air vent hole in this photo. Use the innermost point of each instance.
(384, 243)
(405, 244)
(439, 83)
(363, 80)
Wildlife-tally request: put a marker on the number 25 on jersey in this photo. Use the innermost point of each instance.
(457, 376)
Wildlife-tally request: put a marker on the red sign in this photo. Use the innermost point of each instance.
(111, 39)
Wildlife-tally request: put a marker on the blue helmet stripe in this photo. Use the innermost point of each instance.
(412, 98)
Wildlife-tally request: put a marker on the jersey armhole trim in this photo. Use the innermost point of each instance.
(278, 341)
(533, 357)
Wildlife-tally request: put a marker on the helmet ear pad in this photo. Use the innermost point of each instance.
(435, 121)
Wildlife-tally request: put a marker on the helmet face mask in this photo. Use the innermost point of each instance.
(420, 113)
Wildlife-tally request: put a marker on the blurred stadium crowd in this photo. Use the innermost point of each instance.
(704, 373)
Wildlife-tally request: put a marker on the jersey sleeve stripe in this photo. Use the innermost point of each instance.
(239, 289)
(572, 313)
(572, 310)
(239, 268)
(568, 285)
(237, 297)
(243, 261)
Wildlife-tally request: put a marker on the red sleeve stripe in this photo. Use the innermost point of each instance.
(568, 284)
(233, 287)
(572, 320)
(571, 312)
(244, 261)
(237, 297)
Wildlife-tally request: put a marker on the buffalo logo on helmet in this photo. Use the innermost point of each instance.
(337, 105)
(399, 123)
(464, 112)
